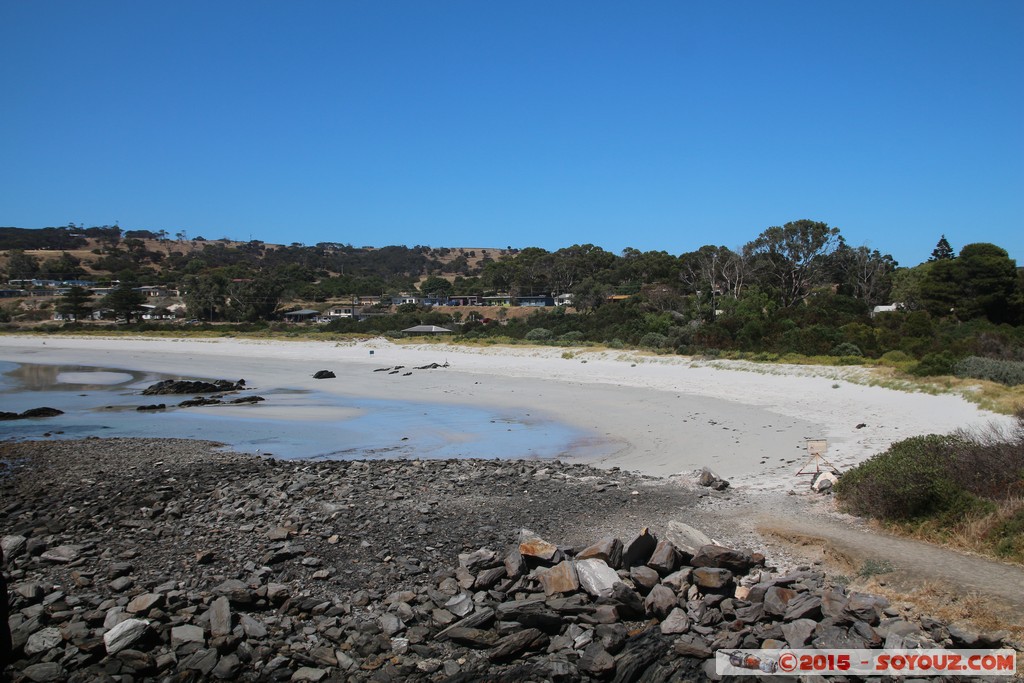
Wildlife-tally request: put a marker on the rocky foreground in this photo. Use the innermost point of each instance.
(145, 560)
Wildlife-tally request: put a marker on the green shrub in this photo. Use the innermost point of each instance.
(846, 349)
(1009, 536)
(1008, 372)
(574, 336)
(942, 477)
(538, 334)
(934, 364)
(653, 340)
(908, 481)
(615, 344)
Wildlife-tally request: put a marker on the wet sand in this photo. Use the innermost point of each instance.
(660, 415)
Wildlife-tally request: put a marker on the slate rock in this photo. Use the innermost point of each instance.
(220, 617)
(644, 577)
(62, 554)
(472, 637)
(43, 640)
(596, 577)
(608, 549)
(660, 602)
(798, 633)
(514, 644)
(227, 668)
(561, 578)
(638, 551)
(676, 622)
(125, 634)
(141, 604)
(45, 672)
(12, 546)
(776, 600)
(627, 601)
(665, 558)
(738, 561)
(533, 547)
(187, 633)
(712, 579)
(687, 539)
(597, 661)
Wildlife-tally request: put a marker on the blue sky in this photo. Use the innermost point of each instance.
(655, 125)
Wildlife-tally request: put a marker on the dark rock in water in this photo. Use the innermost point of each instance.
(247, 399)
(154, 406)
(31, 412)
(184, 386)
(200, 401)
(323, 374)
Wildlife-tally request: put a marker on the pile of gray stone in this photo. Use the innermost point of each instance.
(166, 560)
(642, 610)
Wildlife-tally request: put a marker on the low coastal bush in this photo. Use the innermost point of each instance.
(653, 340)
(1008, 372)
(538, 334)
(908, 481)
(934, 365)
(966, 486)
(846, 349)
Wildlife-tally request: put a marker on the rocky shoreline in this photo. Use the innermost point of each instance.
(169, 560)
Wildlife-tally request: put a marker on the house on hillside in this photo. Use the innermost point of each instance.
(155, 291)
(536, 301)
(403, 298)
(498, 300)
(563, 299)
(303, 315)
(464, 300)
(891, 308)
(342, 311)
(151, 312)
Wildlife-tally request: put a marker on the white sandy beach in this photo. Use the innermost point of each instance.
(660, 415)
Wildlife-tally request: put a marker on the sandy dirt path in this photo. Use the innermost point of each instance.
(806, 528)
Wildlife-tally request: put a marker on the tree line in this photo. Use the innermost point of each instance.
(799, 287)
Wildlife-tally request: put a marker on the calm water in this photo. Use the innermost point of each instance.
(103, 401)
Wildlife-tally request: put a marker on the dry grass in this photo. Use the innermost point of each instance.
(943, 602)
(990, 534)
(992, 396)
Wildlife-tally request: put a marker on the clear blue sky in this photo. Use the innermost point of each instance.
(656, 125)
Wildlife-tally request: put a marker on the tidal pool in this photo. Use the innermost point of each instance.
(290, 424)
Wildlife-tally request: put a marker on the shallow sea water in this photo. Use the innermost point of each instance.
(102, 402)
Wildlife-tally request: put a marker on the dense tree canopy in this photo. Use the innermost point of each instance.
(794, 288)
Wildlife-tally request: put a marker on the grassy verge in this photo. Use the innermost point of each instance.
(963, 490)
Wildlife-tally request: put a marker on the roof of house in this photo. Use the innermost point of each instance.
(304, 311)
(426, 328)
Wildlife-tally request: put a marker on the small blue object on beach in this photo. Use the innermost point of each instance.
(371, 352)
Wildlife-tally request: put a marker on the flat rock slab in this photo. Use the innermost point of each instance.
(596, 577)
